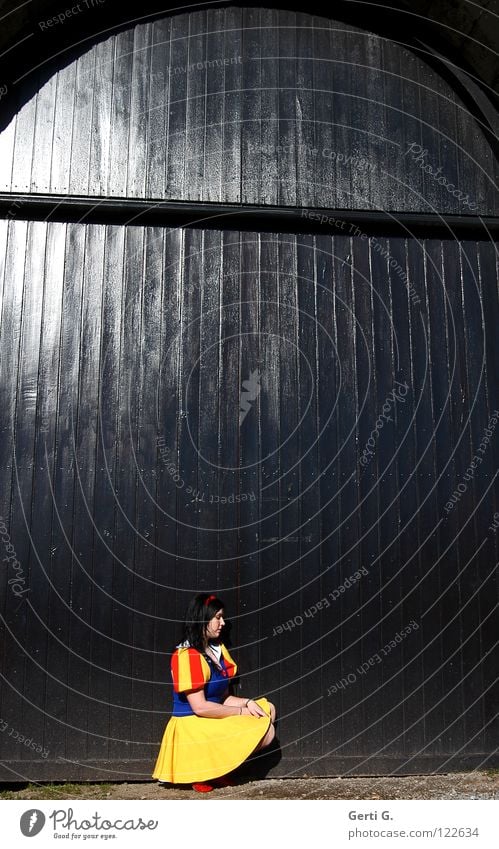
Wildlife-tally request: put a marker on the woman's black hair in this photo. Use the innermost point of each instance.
(200, 610)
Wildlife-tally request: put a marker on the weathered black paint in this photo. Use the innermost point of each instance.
(255, 106)
(120, 342)
(115, 352)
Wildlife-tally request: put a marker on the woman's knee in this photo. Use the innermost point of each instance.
(267, 740)
(272, 711)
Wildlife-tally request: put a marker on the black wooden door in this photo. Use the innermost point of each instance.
(300, 417)
(286, 419)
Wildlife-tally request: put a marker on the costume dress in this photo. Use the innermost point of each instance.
(197, 748)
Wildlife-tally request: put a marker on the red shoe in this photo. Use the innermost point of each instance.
(201, 787)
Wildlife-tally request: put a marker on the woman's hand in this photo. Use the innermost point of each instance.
(254, 709)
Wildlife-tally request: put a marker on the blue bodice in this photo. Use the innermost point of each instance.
(214, 690)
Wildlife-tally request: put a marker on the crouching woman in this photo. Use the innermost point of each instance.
(210, 732)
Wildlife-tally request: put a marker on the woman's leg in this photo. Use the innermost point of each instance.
(267, 740)
(272, 712)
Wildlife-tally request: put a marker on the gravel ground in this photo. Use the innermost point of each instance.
(473, 785)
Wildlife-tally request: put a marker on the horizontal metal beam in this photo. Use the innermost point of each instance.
(172, 214)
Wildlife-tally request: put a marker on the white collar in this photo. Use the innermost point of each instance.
(216, 649)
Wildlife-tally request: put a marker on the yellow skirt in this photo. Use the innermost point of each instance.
(195, 748)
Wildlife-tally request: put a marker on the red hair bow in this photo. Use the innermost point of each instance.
(210, 598)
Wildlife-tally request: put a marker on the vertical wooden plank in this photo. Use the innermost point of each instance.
(177, 100)
(478, 572)
(79, 181)
(174, 587)
(147, 372)
(100, 159)
(7, 140)
(23, 146)
(205, 509)
(252, 116)
(163, 637)
(84, 592)
(482, 403)
(213, 151)
(230, 480)
(337, 136)
(328, 388)
(349, 553)
(185, 461)
(195, 108)
(322, 70)
(430, 190)
(289, 110)
(4, 232)
(289, 482)
(449, 395)
(369, 143)
(411, 130)
(489, 319)
(101, 671)
(452, 733)
(14, 608)
(44, 132)
(447, 143)
(63, 129)
(407, 318)
(12, 266)
(274, 646)
(41, 639)
(120, 114)
(488, 275)
(393, 60)
(271, 130)
(33, 676)
(391, 622)
(431, 625)
(168, 401)
(308, 531)
(6, 289)
(138, 136)
(126, 479)
(253, 383)
(230, 165)
(68, 739)
(158, 108)
(371, 561)
(307, 147)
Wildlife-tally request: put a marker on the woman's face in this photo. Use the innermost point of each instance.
(215, 625)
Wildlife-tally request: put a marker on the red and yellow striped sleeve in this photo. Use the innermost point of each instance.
(230, 664)
(190, 670)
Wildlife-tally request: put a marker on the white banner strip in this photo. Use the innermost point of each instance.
(293, 824)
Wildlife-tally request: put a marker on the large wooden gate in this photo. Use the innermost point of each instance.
(298, 410)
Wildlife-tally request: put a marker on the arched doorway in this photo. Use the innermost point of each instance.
(297, 411)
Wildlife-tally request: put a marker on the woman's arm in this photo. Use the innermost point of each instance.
(212, 710)
(253, 709)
